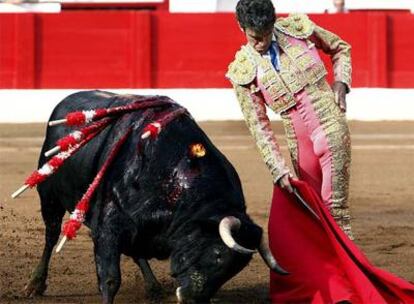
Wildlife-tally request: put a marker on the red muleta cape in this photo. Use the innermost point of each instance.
(325, 265)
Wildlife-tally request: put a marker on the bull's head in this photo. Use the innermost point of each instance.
(212, 252)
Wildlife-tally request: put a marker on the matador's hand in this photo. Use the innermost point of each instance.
(284, 183)
(339, 89)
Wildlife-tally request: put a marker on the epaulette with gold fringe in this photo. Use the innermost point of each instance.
(296, 25)
(242, 70)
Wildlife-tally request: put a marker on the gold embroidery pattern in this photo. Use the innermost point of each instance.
(338, 49)
(297, 61)
(296, 25)
(334, 124)
(278, 88)
(293, 79)
(295, 51)
(291, 141)
(254, 111)
(315, 73)
(304, 61)
(243, 69)
(298, 68)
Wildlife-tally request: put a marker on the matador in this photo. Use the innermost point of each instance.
(290, 79)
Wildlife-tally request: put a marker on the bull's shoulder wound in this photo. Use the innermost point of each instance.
(295, 25)
(242, 70)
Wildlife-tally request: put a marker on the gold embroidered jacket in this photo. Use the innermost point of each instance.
(258, 84)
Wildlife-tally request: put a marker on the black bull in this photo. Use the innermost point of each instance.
(155, 201)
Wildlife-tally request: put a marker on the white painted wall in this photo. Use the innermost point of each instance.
(288, 6)
(7, 8)
(380, 4)
(193, 6)
(209, 104)
(300, 6)
(212, 6)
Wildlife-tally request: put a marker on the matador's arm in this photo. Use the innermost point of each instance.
(338, 49)
(254, 111)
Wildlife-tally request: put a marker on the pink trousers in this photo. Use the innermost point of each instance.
(319, 143)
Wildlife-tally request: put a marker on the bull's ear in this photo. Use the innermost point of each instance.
(209, 224)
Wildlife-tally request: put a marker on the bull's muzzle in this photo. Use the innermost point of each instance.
(183, 299)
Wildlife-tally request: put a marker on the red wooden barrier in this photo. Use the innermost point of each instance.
(401, 49)
(17, 54)
(141, 49)
(94, 49)
(193, 50)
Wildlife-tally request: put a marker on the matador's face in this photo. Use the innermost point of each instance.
(260, 41)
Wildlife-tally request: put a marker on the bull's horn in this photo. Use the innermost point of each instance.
(228, 224)
(269, 259)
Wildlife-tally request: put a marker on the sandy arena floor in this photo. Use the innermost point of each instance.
(382, 199)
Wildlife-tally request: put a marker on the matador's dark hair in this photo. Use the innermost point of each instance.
(258, 15)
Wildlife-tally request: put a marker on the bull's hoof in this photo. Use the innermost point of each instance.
(35, 287)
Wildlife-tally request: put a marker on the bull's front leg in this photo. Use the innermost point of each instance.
(153, 288)
(52, 213)
(107, 254)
